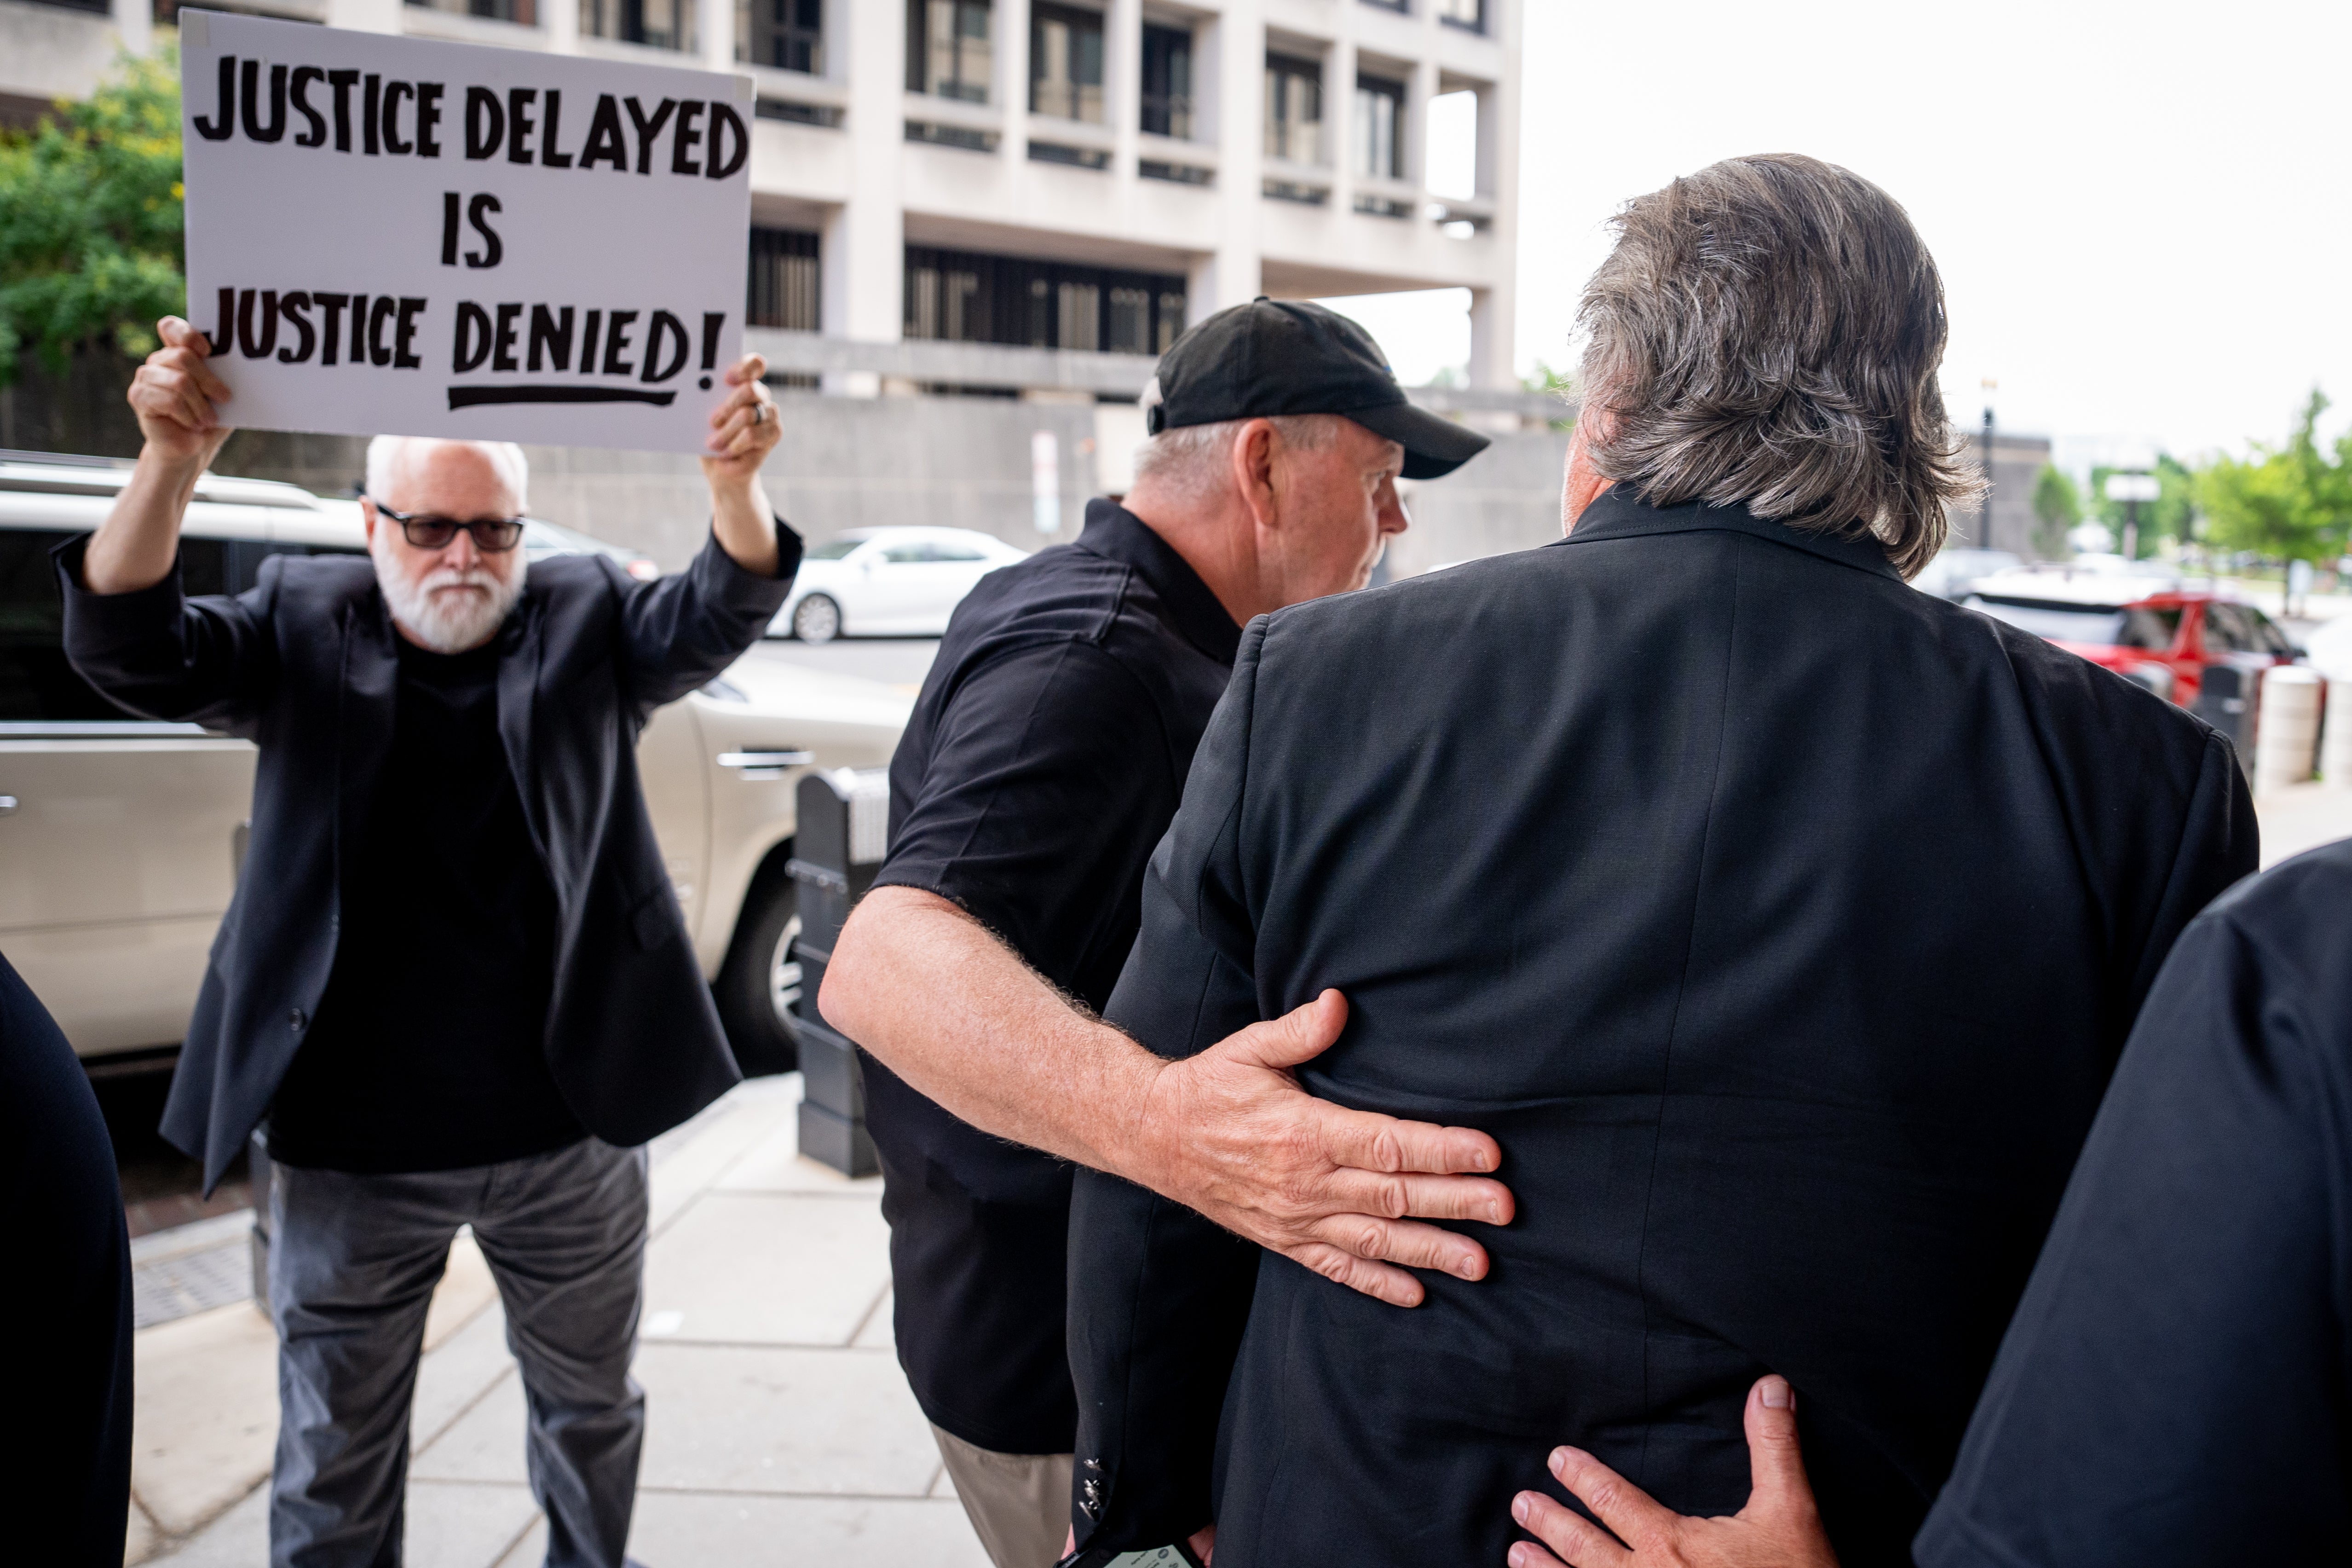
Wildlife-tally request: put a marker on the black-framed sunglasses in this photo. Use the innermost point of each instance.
(492, 535)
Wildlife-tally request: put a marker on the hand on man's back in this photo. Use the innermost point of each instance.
(1231, 1133)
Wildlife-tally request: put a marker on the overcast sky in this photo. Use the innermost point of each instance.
(2141, 212)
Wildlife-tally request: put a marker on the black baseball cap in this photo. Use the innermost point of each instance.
(1272, 357)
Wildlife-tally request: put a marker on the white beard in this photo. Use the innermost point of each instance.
(447, 609)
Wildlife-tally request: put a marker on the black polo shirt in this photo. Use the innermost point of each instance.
(2176, 1389)
(1045, 757)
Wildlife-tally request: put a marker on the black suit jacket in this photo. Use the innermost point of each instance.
(304, 665)
(1782, 924)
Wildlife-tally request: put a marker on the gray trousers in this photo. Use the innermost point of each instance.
(352, 1263)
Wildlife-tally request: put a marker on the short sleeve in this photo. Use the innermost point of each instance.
(2171, 1389)
(1050, 766)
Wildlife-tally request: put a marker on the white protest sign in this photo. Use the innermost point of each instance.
(391, 236)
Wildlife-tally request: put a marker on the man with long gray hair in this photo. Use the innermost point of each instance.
(454, 986)
(1780, 923)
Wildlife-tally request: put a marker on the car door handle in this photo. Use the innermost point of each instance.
(7, 803)
(765, 759)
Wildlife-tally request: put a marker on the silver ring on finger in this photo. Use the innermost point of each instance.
(759, 412)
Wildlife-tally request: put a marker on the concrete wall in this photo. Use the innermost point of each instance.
(2016, 462)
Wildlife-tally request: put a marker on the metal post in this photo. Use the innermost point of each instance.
(838, 842)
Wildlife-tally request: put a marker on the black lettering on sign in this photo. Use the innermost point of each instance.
(493, 246)
(605, 142)
(331, 331)
(253, 128)
(588, 343)
(404, 335)
(379, 314)
(648, 128)
(393, 91)
(316, 133)
(359, 329)
(551, 334)
(727, 130)
(547, 152)
(254, 345)
(342, 83)
(473, 338)
(223, 124)
(502, 345)
(296, 307)
(222, 339)
(486, 123)
(665, 330)
(711, 321)
(685, 140)
(475, 397)
(371, 108)
(519, 123)
(449, 200)
(428, 115)
(616, 339)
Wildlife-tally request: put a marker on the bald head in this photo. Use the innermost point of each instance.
(450, 479)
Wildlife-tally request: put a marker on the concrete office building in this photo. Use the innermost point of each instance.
(975, 222)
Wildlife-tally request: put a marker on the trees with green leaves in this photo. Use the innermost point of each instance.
(2172, 514)
(2288, 503)
(2057, 508)
(91, 238)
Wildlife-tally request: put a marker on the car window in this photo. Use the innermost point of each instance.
(2059, 623)
(245, 557)
(956, 551)
(36, 684)
(2147, 628)
(2227, 630)
(831, 549)
(902, 553)
(2267, 631)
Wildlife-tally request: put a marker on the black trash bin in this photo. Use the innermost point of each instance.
(843, 826)
(2225, 700)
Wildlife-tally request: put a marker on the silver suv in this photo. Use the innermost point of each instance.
(121, 838)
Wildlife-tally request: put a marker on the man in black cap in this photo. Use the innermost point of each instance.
(1044, 760)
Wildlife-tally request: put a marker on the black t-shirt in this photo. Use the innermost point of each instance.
(2174, 1389)
(1045, 757)
(427, 1053)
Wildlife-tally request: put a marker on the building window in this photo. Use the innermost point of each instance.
(657, 24)
(786, 34)
(967, 297)
(1168, 81)
(783, 284)
(1076, 157)
(1467, 14)
(1065, 63)
(1380, 126)
(949, 53)
(1294, 108)
(519, 11)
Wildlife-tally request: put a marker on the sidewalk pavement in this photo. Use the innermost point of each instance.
(780, 1429)
(2303, 817)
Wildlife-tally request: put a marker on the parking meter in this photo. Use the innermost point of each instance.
(843, 826)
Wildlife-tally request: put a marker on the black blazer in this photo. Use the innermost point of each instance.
(1782, 922)
(304, 665)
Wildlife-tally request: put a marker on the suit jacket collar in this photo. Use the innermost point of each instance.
(1617, 513)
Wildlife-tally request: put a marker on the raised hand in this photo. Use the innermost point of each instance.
(1234, 1136)
(743, 429)
(1780, 1528)
(176, 395)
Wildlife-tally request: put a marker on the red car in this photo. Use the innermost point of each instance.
(2163, 640)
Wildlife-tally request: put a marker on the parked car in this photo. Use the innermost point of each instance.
(2164, 640)
(1954, 572)
(121, 838)
(888, 582)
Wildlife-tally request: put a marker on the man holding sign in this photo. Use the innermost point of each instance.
(454, 978)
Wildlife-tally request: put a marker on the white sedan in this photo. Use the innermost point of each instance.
(888, 582)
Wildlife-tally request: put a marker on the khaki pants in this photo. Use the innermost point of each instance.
(1019, 1504)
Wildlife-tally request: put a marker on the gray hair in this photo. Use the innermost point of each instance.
(1767, 333)
(1194, 461)
(385, 452)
